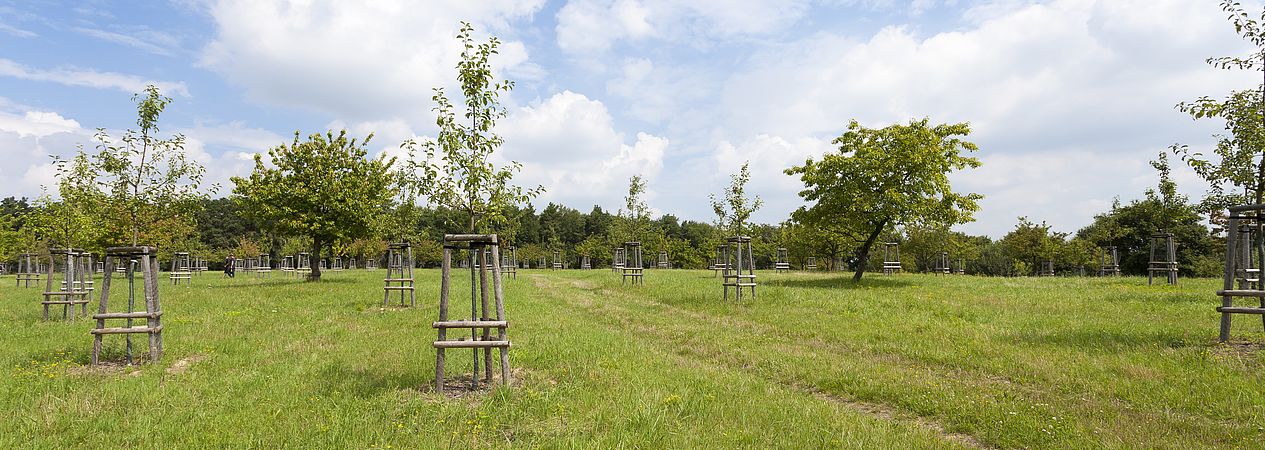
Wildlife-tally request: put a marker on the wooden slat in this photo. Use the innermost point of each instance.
(398, 288)
(1240, 293)
(396, 280)
(1240, 310)
(64, 302)
(131, 315)
(470, 324)
(486, 238)
(124, 330)
(471, 344)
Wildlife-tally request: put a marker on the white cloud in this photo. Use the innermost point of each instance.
(1100, 78)
(228, 150)
(89, 78)
(594, 26)
(568, 143)
(27, 139)
(359, 61)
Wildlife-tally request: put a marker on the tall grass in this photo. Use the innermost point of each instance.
(908, 361)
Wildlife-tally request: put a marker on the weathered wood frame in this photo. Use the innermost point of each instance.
(399, 274)
(29, 269)
(181, 269)
(479, 320)
(1234, 269)
(1109, 262)
(633, 270)
(71, 290)
(1163, 258)
(147, 263)
(783, 263)
(891, 258)
(739, 267)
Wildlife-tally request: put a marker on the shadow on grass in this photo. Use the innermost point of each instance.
(1113, 340)
(841, 282)
(370, 380)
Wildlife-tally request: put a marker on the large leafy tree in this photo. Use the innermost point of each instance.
(457, 171)
(323, 189)
(884, 177)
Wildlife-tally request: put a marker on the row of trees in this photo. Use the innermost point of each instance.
(322, 194)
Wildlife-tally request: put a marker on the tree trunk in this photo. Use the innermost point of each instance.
(864, 257)
(314, 262)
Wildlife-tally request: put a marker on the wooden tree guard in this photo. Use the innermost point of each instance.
(585, 263)
(303, 265)
(811, 263)
(1163, 258)
(180, 272)
(719, 265)
(29, 268)
(263, 265)
(287, 264)
(617, 259)
(632, 265)
(338, 264)
(1247, 268)
(199, 265)
(71, 290)
(739, 267)
(942, 264)
(961, 270)
(557, 261)
(148, 266)
(1047, 268)
(1110, 262)
(371, 264)
(1236, 268)
(509, 262)
(891, 258)
(664, 263)
(399, 273)
(479, 320)
(782, 264)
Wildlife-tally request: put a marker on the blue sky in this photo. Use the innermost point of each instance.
(1068, 99)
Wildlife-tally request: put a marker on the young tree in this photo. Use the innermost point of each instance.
(1240, 153)
(634, 218)
(883, 177)
(464, 178)
(322, 188)
(732, 213)
(147, 179)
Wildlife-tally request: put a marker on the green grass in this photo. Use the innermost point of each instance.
(910, 361)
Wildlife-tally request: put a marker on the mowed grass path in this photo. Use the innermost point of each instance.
(910, 361)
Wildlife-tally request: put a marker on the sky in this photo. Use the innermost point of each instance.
(1067, 100)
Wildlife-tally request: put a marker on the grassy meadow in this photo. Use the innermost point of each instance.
(907, 361)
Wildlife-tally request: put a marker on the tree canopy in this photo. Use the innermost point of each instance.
(887, 176)
(322, 188)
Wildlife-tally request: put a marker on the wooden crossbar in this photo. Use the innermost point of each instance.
(472, 344)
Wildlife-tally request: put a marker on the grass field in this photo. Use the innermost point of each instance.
(910, 361)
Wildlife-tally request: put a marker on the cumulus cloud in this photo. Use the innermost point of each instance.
(1093, 83)
(28, 138)
(568, 143)
(358, 61)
